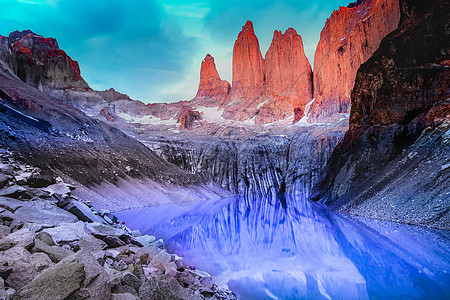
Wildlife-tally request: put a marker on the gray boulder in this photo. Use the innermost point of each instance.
(67, 232)
(43, 212)
(57, 282)
(125, 296)
(78, 276)
(146, 240)
(3, 295)
(162, 287)
(4, 231)
(4, 180)
(82, 212)
(22, 238)
(161, 259)
(96, 283)
(46, 238)
(55, 253)
(24, 265)
(131, 280)
(14, 191)
(89, 243)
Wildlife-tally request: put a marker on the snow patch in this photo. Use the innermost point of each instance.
(148, 119)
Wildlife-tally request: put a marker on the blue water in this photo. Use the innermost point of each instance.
(298, 250)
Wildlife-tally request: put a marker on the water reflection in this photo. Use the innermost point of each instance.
(264, 250)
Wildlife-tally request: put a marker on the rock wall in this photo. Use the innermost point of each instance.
(399, 126)
(268, 89)
(350, 37)
(255, 167)
(288, 79)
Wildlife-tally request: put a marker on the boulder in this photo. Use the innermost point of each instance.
(57, 282)
(55, 253)
(162, 287)
(204, 278)
(3, 295)
(67, 232)
(25, 266)
(113, 241)
(4, 231)
(6, 244)
(146, 240)
(41, 180)
(131, 280)
(10, 204)
(96, 282)
(43, 212)
(82, 212)
(14, 191)
(124, 296)
(89, 243)
(46, 238)
(4, 180)
(22, 238)
(161, 259)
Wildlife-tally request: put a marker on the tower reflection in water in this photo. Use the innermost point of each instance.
(294, 249)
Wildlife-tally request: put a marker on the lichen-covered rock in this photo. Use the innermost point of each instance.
(57, 282)
(350, 37)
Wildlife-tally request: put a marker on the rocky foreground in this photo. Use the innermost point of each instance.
(54, 246)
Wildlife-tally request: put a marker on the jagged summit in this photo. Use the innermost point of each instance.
(17, 35)
(211, 86)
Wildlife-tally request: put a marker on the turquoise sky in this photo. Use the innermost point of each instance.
(152, 49)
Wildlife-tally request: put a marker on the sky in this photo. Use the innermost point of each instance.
(152, 49)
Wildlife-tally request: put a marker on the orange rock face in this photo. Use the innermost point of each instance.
(350, 37)
(248, 75)
(288, 78)
(211, 87)
(273, 88)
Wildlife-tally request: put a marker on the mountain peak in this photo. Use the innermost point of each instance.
(211, 86)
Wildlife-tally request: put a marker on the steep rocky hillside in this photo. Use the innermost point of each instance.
(394, 162)
(57, 137)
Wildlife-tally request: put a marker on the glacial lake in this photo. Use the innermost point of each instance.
(265, 250)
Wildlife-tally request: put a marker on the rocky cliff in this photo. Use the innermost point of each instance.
(350, 36)
(394, 161)
(255, 167)
(288, 78)
(211, 89)
(248, 75)
(273, 88)
(39, 62)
